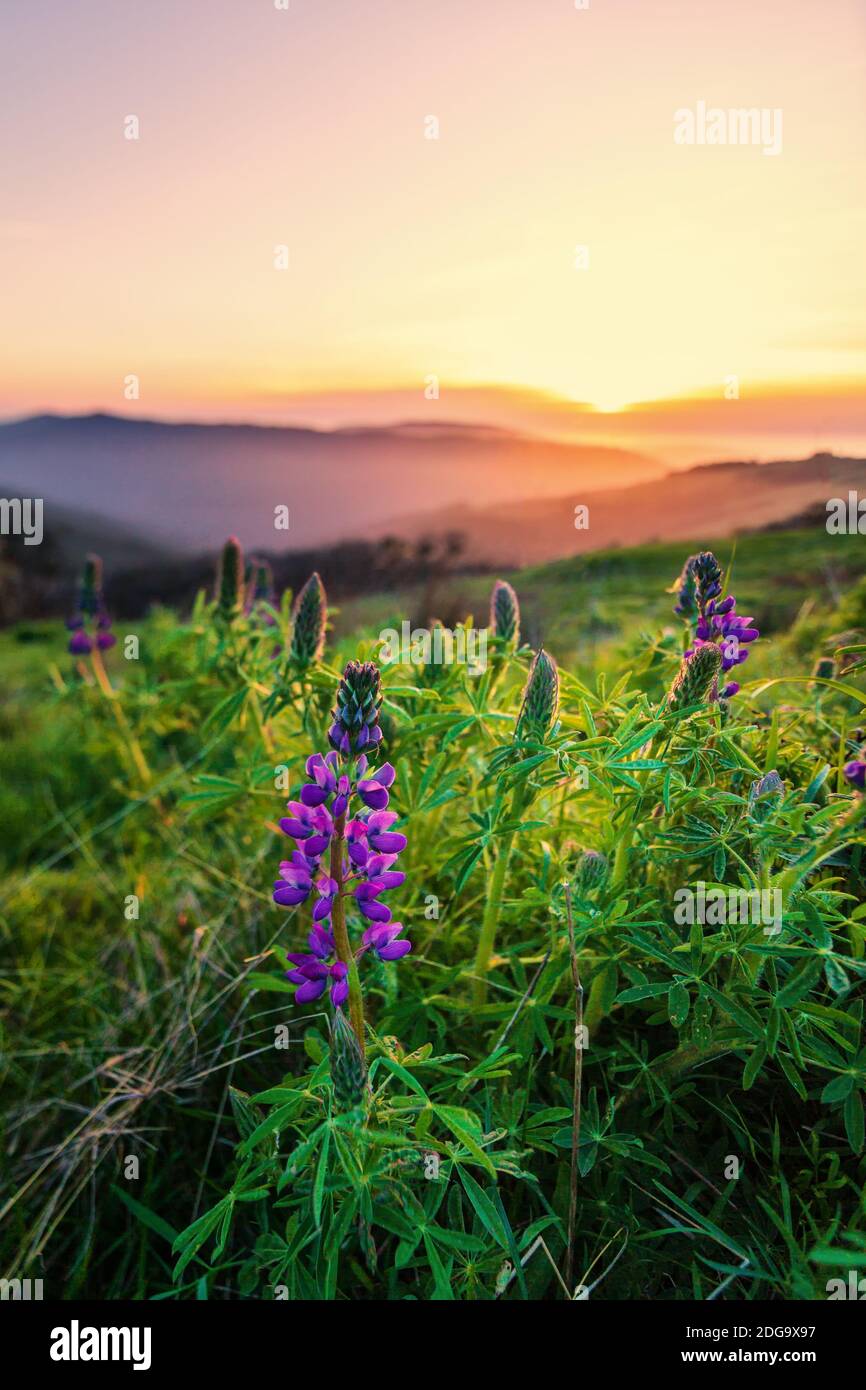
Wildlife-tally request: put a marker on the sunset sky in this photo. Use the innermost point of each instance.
(455, 257)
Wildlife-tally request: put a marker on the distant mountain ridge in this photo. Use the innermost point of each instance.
(185, 486)
(181, 488)
(713, 500)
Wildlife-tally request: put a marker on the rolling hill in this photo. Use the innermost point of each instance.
(715, 500)
(185, 486)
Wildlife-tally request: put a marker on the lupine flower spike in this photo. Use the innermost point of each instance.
(362, 849)
(91, 613)
(505, 613)
(700, 600)
(697, 681)
(230, 581)
(309, 618)
(356, 713)
(540, 699)
(260, 595)
(591, 871)
(261, 599)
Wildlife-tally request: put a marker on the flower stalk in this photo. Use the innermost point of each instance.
(361, 850)
(535, 721)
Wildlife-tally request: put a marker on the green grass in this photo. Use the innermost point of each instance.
(152, 1037)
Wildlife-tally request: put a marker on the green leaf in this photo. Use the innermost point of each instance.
(793, 1075)
(442, 1290)
(837, 1089)
(456, 1120)
(853, 1114)
(146, 1216)
(277, 1120)
(799, 983)
(487, 1213)
(753, 1066)
(321, 1174)
(678, 1004)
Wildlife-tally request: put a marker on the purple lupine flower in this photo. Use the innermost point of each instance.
(91, 612)
(383, 940)
(80, 644)
(373, 788)
(356, 713)
(380, 838)
(312, 976)
(855, 772)
(699, 590)
(343, 809)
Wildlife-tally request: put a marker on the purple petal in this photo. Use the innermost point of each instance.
(373, 795)
(313, 989)
(313, 795)
(375, 912)
(389, 843)
(286, 896)
(317, 844)
(395, 950)
(296, 828)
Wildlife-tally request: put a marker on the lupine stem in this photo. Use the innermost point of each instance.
(487, 936)
(576, 1092)
(111, 696)
(341, 935)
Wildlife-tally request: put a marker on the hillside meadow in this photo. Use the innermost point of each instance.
(566, 1087)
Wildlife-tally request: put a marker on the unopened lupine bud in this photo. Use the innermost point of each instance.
(90, 601)
(708, 579)
(696, 682)
(592, 870)
(505, 613)
(540, 699)
(309, 617)
(230, 583)
(262, 582)
(356, 714)
(685, 588)
(348, 1070)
